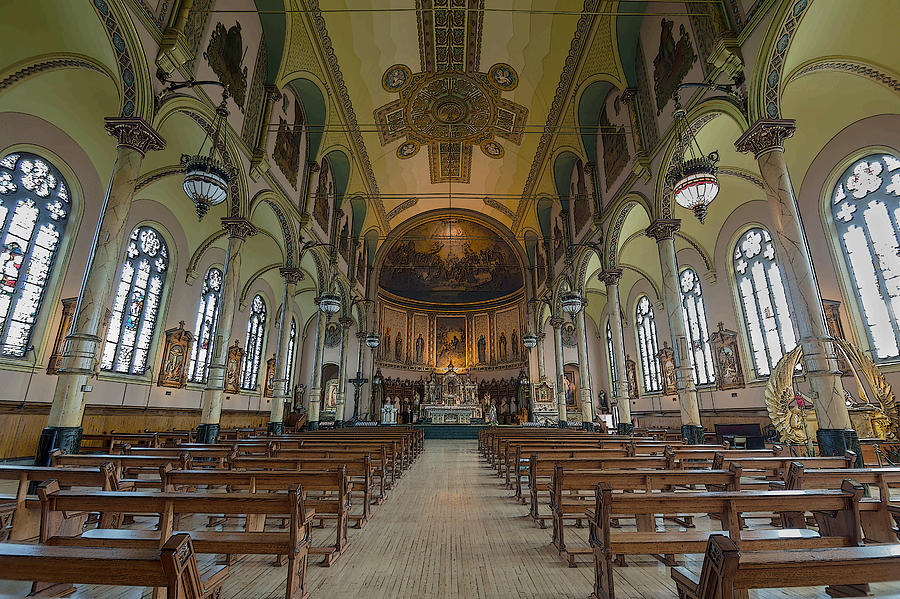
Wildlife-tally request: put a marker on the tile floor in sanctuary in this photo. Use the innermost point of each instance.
(449, 529)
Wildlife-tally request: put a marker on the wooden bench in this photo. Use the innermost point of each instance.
(172, 567)
(111, 442)
(836, 513)
(129, 468)
(294, 543)
(572, 494)
(729, 572)
(774, 468)
(387, 453)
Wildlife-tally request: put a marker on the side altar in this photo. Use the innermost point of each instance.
(450, 398)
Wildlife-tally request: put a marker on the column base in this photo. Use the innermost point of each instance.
(693, 434)
(563, 424)
(208, 433)
(587, 426)
(836, 441)
(625, 428)
(275, 428)
(338, 424)
(312, 426)
(65, 438)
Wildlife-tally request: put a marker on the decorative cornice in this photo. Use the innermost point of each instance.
(563, 88)
(49, 64)
(850, 66)
(238, 227)
(742, 174)
(153, 177)
(134, 133)
(663, 228)
(498, 206)
(610, 276)
(401, 207)
(765, 135)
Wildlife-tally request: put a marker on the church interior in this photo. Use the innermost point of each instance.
(449, 298)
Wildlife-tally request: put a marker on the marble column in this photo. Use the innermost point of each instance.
(211, 401)
(584, 372)
(282, 385)
(765, 138)
(623, 406)
(556, 322)
(663, 231)
(315, 389)
(83, 344)
(346, 322)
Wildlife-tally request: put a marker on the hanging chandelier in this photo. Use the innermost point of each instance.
(571, 302)
(372, 340)
(692, 176)
(529, 340)
(206, 177)
(330, 303)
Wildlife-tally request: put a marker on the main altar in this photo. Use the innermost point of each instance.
(450, 398)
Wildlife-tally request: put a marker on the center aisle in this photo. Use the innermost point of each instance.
(450, 529)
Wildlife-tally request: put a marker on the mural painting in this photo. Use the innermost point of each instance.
(451, 260)
(615, 148)
(569, 338)
(515, 346)
(420, 349)
(225, 55)
(482, 350)
(570, 384)
(177, 348)
(672, 62)
(333, 334)
(361, 264)
(451, 341)
(729, 374)
(324, 194)
(287, 144)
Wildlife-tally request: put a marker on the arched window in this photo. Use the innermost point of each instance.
(34, 211)
(136, 303)
(866, 212)
(648, 347)
(611, 361)
(290, 356)
(205, 328)
(694, 313)
(763, 301)
(256, 330)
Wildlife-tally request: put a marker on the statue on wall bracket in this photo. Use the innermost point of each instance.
(269, 389)
(726, 355)
(233, 368)
(176, 350)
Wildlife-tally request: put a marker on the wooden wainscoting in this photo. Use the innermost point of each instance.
(20, 426)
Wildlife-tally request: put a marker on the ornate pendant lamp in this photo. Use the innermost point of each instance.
(692, 176)
(206, 177)
(571, 302)
(329, 303)
(529, 340)
(372, 340)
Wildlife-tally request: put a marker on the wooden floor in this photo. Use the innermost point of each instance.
(449, 529)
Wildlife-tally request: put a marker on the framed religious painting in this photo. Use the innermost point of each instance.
(667, 363)
(543, 398)
(631, 377)
(269, 389)
(176, 352)
(727, 359)
(65, 323)
(233, 368)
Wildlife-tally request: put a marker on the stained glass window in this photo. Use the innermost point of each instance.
(205, 328)
(136, 303)
(694, 313)
(648, 346)
(256, 329)
(763, 300)
(290, 357)
(34, 211)
(611, 361)
(865, 208)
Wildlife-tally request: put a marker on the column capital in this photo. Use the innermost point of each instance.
(312, 165)
(629, 94)
(291, 275)
(557, 321)
(663, 228)
(134, 133)
(610, 276)
(346, 322)
(238, 227)
(272, 93)
(589, 167)
(765, 135)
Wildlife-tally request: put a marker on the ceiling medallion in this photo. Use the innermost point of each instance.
(450, 112)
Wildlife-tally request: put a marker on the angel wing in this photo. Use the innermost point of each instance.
(779, 393)
(884, 394)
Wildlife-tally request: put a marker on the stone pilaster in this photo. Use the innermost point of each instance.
(315, 389)
(346, 322)
(134, 139)
(556, 322)
(239, 229)
(663, 231)
(282, 385)
(611, 278)
(765, 138)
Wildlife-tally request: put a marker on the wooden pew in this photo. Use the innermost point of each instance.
(388, 453)
(774, 468)
(729, 572)
(172, 567)
(894, 511)
(516, 461)
(128, 467)
(111, 442)
(836, 512)
(294, 543)
(572, 493)
(874, 513)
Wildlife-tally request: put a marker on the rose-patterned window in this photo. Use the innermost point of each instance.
(34, 211)
(205, 327)
(611, 361)
(694, 313)
(136, 303)
(648, 346)
(865, 206)
(256, 329)
(763, 301)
